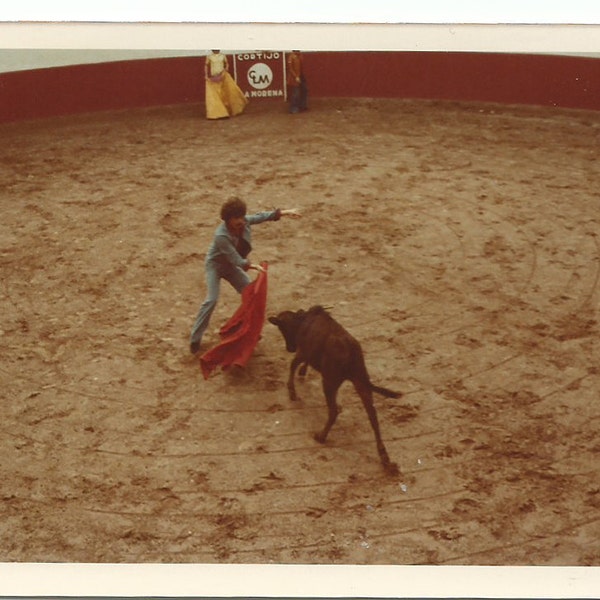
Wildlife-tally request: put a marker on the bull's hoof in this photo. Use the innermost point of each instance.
(319, 437)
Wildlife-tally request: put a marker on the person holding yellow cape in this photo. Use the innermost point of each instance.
(223, 96)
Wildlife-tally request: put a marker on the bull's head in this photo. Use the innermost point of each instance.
(288, 323)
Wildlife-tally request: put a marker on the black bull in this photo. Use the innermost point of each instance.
(323, 344)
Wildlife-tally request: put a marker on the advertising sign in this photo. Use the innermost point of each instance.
(260, 75)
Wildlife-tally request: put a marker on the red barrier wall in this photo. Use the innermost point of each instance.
(547, 80)
(105, 86)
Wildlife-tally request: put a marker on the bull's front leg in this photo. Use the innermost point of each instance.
(290, 384)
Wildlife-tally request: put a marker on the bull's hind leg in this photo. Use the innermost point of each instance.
(290, 384)
(330, 388)
(367, 399)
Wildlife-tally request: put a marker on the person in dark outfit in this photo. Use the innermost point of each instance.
(296, 81)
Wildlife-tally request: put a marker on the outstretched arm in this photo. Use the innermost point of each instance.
(294, 213)
(272, 215)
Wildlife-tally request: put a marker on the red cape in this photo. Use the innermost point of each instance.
(241, 333)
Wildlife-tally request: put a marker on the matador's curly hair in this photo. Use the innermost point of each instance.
(234, 207)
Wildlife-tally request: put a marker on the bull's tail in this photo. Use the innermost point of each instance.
(385, 392)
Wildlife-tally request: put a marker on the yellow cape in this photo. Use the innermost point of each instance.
(224, 98)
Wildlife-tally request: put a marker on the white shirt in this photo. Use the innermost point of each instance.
(216, 64)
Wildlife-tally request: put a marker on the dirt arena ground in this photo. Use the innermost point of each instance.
(458, 242)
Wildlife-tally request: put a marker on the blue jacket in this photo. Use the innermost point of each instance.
(227, 248)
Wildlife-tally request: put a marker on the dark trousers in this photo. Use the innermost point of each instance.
(299, 96)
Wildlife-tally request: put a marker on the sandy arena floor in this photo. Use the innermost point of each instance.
(458, 242)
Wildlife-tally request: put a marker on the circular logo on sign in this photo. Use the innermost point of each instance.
(260, 76)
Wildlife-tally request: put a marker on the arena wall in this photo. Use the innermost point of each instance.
(535, 79)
